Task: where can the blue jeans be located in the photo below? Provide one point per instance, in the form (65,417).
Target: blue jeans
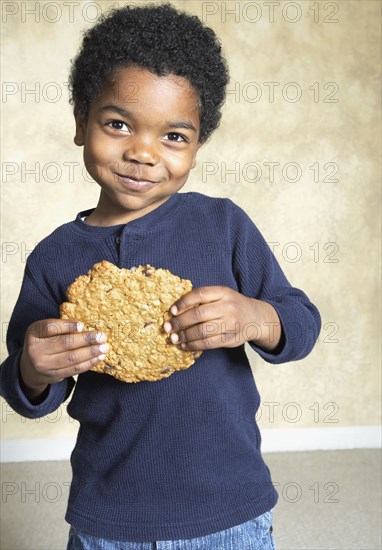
(255,534)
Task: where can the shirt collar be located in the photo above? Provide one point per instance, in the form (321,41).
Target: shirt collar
(144,223)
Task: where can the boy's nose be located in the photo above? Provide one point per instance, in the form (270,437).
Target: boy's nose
(141,149)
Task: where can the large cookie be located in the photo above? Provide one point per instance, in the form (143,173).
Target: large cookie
(130,306)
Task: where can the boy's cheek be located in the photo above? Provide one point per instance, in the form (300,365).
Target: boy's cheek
(93,168)
(96,153)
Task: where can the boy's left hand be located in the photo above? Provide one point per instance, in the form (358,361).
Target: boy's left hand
(212,317)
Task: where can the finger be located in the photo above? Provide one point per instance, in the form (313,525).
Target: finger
(204,331)
(53,328)
(212,342)
(78,368)
(70,341)
(201,295)
(207,335)
(76,356)
(194,316)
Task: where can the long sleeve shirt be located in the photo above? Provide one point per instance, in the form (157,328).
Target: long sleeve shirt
(180,457)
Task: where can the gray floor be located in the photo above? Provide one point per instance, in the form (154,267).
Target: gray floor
(328,501)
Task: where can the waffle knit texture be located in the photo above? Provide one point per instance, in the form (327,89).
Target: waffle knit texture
(177,458)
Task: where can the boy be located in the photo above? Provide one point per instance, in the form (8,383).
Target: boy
(158,464)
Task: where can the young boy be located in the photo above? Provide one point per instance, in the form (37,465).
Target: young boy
(172,464)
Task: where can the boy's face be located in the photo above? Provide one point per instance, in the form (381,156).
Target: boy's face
(140,142)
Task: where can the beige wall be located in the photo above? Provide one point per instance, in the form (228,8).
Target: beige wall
(326,224)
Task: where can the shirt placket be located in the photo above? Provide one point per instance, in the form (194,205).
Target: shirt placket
(128,248)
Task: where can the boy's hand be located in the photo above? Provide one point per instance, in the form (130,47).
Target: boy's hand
(55,349)
(219,317)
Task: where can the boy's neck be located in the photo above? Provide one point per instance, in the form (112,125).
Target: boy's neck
(106,215)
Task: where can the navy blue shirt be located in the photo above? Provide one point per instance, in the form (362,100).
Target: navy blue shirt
(177,458)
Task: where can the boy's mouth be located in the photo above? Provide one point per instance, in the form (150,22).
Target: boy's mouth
(135,184)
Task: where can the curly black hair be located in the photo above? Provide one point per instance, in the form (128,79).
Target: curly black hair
(160,39)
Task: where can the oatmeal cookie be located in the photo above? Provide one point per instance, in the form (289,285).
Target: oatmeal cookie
(130,306)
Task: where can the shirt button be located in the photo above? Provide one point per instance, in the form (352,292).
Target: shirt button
(118,240)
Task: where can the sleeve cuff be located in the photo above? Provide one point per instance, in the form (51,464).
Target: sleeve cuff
(297,340)
(11,390)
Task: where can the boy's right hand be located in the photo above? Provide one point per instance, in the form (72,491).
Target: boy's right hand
(55,349)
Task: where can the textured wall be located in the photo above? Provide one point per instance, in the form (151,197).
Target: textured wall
(298,149)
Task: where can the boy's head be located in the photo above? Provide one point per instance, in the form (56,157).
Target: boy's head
(157,38)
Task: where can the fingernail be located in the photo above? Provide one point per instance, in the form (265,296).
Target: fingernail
(101,337)
(104,347)
(167,326)
(174,310)
(174,338)
(102,357)
(79,327)
(183,345)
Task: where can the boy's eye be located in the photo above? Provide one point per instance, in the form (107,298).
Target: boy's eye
(174,136)
(117,125)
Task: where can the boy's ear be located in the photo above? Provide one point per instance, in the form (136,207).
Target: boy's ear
(198,146)
(79,138)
